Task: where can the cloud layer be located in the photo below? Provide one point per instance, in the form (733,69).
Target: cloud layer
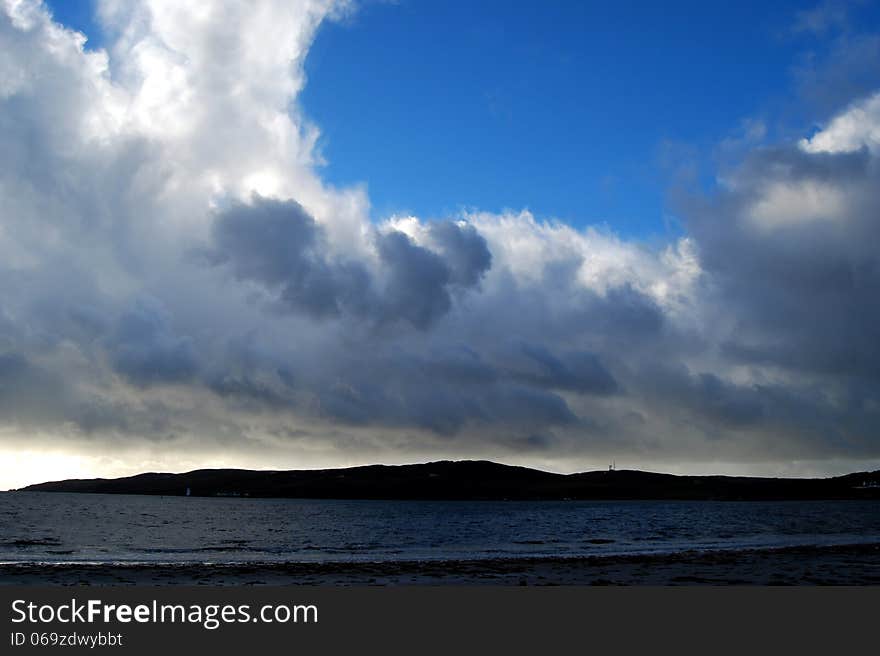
(176,279)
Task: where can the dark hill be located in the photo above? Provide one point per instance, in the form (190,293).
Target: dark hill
(471,480)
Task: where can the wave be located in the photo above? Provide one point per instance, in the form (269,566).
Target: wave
(32,542)
(400,558)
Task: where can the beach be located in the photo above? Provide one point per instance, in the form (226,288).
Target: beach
(855,564)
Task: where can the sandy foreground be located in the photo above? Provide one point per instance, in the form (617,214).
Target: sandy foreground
(833,565)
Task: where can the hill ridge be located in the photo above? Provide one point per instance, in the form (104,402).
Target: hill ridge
(469,479)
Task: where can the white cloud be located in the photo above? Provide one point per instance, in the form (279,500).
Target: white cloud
(527,248)
(856,127)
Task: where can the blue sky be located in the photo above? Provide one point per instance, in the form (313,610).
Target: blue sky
(565,108)
(575,111)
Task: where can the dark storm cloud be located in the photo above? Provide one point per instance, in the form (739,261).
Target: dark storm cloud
(16,376)
(457,365)
(369,383)
(622,312)
(580,371)
(464,249)
(279,245)
(417,287)
(440,407)
(705,393)
(145,349)
(34,397)
(802,292)
(768,418)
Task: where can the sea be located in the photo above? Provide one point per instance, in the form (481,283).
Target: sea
(58,528)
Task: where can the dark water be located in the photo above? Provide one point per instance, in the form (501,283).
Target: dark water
(58,528)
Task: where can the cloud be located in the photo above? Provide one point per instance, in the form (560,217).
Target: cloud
(465,251)
(787,245)
(856,127)
(145,349)
(175,276)
(578,371)
(279,245)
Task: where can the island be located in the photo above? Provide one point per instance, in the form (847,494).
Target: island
(471,480)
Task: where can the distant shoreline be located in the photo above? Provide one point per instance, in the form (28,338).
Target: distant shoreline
(610,500)
(472,480)
(849,564)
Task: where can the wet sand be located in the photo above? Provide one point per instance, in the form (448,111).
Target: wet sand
(832,565)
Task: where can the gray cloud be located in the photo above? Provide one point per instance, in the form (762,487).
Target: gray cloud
(145,349)
(417,283)
(802,291)
(466,254)
(578,371)
(279,245)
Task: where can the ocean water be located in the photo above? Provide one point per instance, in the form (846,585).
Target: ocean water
(41,527)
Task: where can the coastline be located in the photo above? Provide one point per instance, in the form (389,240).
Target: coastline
(851,564)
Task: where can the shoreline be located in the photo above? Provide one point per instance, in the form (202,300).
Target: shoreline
(850,564)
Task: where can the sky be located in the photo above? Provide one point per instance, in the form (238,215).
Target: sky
(312,233)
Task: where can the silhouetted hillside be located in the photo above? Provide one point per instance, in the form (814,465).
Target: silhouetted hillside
(471,480)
